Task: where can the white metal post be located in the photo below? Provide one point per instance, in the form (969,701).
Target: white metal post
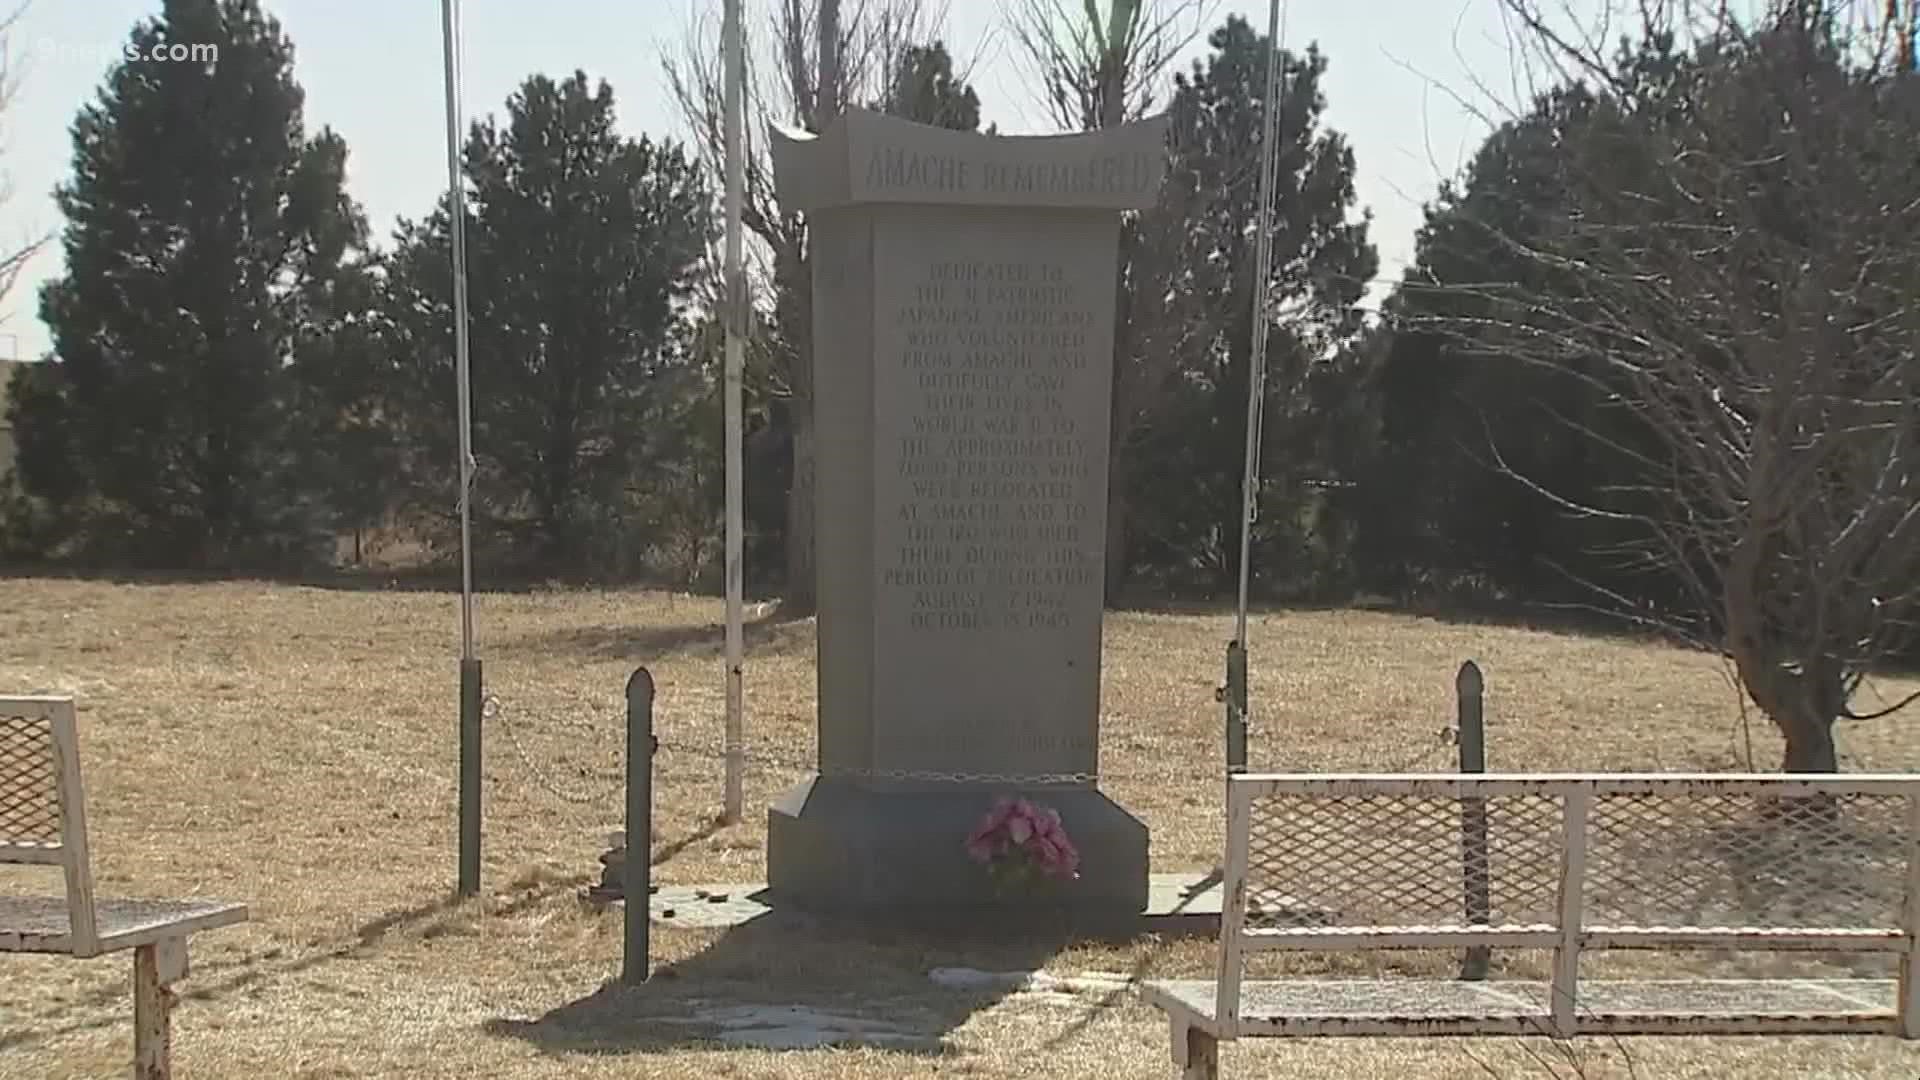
(1233,909)
(457,198)
(735,318)
(1573,883)
(1909,999)
(1262,266)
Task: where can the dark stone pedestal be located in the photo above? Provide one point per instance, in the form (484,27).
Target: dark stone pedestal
(833,845)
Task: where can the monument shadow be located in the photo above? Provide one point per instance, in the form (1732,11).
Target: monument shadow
(792,981)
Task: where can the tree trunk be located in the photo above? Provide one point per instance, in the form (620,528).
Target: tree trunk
(800,595)
(826,102)
(1820,697)
(1801,703)
(1810,746)
(1802,706)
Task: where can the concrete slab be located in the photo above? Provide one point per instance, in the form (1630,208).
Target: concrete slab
(1176,902)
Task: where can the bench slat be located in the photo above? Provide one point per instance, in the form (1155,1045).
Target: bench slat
(38,924)
(33,854)
(1418,1007)
(1486,785)
(1767,938)
(1329,938)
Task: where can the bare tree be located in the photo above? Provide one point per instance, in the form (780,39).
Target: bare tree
(1095,73)
(1736,276)
(11,262)
(785,84)
(1099,73)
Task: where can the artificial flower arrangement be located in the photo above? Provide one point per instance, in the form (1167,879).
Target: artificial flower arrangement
(1023,845)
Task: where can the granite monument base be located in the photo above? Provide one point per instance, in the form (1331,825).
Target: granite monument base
(837,846)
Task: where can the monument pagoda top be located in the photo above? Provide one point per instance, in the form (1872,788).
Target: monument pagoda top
(872,157)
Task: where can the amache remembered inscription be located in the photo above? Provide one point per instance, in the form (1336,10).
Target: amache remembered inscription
(905,169)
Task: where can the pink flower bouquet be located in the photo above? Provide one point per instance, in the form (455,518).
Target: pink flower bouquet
(1021,844)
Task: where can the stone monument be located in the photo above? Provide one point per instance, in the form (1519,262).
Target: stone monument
(963,318)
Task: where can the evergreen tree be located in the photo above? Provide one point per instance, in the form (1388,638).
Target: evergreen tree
(924,89)
(1191,281)
(345,412)
(203,230)
(583,246)
(1438,510)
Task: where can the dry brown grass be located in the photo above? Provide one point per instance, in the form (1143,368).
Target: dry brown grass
(294,747)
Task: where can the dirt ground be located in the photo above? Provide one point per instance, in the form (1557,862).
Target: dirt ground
(295,748)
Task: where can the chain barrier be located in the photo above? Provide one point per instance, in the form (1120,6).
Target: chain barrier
(493,708)
(1446,738)
(494,711)
(796,764)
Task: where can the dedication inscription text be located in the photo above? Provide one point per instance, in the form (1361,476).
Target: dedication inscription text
(992,513)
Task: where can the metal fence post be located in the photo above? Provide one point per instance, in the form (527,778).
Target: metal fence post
(1907,1009)
(471,687)
(1236,699)
(637,868)
(1469,688)
(1234,694)
(1565,999)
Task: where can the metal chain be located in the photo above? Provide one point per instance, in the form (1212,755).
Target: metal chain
(492,708)
(1001,779)
(896,775)
(1447,737)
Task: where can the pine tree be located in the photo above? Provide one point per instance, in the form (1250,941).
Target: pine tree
(203,228)
(1181,393)
(924,89)
(582,250)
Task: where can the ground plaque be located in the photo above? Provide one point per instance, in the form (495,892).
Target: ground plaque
(963,312)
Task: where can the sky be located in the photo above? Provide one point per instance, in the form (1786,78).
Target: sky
(1412,83)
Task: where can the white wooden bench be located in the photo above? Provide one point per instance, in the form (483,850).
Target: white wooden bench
(1567,864)
(43,821)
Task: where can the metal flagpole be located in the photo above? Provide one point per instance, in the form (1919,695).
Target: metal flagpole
(1236,688)
(736,328)
(470,680)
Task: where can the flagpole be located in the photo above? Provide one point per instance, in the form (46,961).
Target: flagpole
(1236,688)
(470,678)
(735,320)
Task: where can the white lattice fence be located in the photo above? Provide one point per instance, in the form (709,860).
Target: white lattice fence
(1570,863)
(1372,862)
(1747,860)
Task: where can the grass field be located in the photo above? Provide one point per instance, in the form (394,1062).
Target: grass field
(294,748)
